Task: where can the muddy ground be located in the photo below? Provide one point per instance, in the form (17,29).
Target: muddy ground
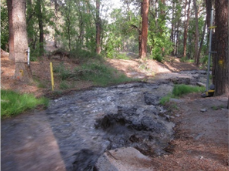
(200,142)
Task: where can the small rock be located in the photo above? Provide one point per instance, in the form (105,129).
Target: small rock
(201,157)
(177,115)
(203,110)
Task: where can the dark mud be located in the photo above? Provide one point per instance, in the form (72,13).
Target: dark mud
(80,127)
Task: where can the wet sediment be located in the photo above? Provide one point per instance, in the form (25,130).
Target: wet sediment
(88,123)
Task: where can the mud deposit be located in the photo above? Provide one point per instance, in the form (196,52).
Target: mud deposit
(77,129)
(86,124)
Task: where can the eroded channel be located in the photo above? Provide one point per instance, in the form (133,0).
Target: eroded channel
(86,124)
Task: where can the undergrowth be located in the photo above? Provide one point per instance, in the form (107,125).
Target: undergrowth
(100,74)
(94,71)
(13,103)
(180,90)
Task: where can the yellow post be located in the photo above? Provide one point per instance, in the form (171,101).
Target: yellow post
(52,78)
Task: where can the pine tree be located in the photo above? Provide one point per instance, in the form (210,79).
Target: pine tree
(220,61)
(22,70)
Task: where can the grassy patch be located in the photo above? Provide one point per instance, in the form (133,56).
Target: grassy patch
(165,99)
(94,71)
(122,56)
(185,59)
(63,85)
(179,90)
(217,107)
(13,103)
(64,73)
(100,74)
(39,83)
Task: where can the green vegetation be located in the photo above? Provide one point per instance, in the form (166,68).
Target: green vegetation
(100,74)
(13,103)
(217,107)
(179,90)
(63,85)
(185,59)
(39,83)
(94,71)
(165,99)
(4,25)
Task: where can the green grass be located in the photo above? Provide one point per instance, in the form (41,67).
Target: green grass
(100,74)
(39,83)
(93,70)
(185,59)
(63,85)
(180,90)
(13,103)
(62,71)
(122,56)
(217,107)
(165,99)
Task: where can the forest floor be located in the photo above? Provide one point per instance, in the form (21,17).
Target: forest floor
(134,68)
(201,138)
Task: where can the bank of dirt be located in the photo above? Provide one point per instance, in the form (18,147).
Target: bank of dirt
(201,138)
(134,68)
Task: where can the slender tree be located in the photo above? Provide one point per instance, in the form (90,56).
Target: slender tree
(98,28)
(208,16)
(144,32)
(22,70)
(11,35)
(196,57)
(220,61)
(186,27)
(41,29)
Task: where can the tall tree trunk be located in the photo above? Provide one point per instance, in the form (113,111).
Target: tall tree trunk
(56,20)
(41,29)
(98,28)
(11,33)
(220,79)
(186,30)
(208,16)
(172,29)
(208,10)
(22,70)
(196,57)
(144,32)
(177,40)
(202,38)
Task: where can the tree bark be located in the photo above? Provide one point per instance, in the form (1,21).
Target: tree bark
(186,30)
(208,10)
(98,28)
(11,32)
(22,71)
(196,57)
(56,22)
(228,103)
(202,38)
(220,79)
(40,23)
(172,29)
(208,16)
(144,32)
